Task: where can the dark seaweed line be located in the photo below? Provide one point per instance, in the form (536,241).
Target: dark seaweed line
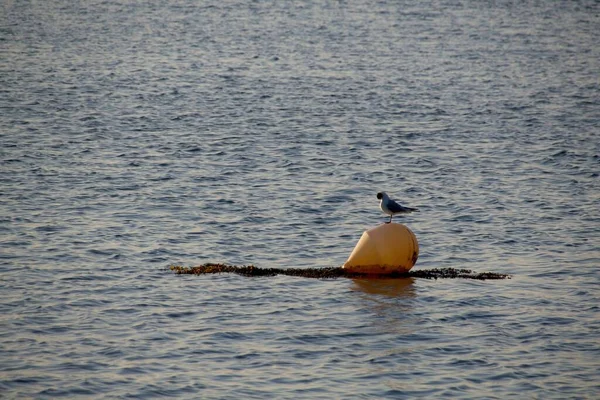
(331,272)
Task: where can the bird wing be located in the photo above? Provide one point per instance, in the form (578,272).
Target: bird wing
(397,208)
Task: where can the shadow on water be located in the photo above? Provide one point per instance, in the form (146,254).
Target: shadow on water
(387,287)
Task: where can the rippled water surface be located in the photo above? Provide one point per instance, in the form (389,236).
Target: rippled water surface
(135,135)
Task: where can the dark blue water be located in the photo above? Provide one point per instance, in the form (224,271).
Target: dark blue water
(135,135)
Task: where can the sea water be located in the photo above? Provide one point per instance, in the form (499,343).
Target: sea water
(135,135)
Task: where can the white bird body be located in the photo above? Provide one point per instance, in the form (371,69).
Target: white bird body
(391,207)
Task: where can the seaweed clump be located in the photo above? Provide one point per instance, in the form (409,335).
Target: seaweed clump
(331,272)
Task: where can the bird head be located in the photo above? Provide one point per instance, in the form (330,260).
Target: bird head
(381,195)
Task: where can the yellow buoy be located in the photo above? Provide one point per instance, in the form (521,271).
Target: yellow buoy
(385,249)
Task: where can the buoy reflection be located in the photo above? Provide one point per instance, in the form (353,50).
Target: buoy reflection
(398,287)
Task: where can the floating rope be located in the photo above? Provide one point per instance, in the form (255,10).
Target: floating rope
(330,272)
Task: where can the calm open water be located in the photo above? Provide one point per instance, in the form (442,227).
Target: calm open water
(135,135)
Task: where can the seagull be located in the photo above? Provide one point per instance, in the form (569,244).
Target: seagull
(390,207)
